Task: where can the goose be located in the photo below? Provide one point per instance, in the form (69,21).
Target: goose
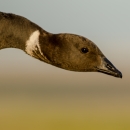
(67,51)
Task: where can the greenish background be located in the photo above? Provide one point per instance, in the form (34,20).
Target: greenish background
(38,96)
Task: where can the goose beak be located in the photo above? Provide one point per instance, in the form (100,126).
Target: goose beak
(108,68)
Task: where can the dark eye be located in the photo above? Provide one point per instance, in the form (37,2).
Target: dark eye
(84,50)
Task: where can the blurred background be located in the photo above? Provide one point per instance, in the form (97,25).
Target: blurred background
(38,96)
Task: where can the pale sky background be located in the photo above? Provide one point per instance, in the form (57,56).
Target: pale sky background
(30,90)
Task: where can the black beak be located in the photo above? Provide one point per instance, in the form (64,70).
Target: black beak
(108,68)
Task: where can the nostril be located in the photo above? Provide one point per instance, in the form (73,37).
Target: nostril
(109,66)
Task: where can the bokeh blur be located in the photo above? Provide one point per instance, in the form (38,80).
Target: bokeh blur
(38,96)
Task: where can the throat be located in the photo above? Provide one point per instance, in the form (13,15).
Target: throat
(33,47)
(29,43)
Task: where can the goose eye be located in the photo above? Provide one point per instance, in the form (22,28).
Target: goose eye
(84,50)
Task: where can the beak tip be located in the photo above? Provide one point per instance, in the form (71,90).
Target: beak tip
(120,75)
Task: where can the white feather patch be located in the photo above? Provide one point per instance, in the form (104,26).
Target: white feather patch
(32,44)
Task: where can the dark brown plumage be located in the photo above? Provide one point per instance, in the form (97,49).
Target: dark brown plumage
(67,51)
